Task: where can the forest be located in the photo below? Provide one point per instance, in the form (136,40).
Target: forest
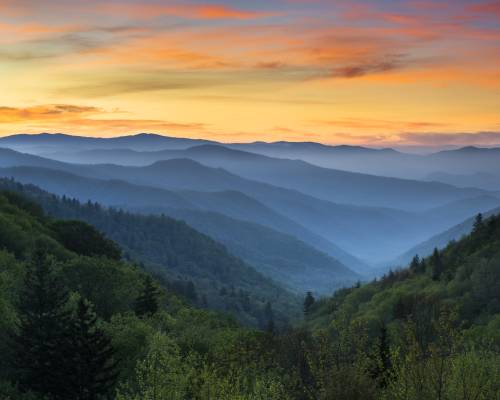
(82,321)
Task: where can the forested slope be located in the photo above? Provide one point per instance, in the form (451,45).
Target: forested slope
(464,277)
(193,263)
(76,319)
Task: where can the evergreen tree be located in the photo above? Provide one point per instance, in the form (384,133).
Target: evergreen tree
(190,292)
(384,356)
(400,311)
(269,317)
(308,303)
(415,264)
(147,302)
(91,370)
(478,223)
(437,265)
(41,335)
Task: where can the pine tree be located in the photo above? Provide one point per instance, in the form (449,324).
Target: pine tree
(400,311)
(384,356)
(415,264)
(147,303)
(269,317)
(91,370)
(43,323)
(478,223)
(308,303)
(437,265)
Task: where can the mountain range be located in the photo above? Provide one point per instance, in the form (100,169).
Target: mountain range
(383,162)
(358,219)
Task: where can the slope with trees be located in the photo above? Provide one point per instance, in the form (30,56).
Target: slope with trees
(194,264)
(428,332)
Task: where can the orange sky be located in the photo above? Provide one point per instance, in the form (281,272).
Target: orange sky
(366,72)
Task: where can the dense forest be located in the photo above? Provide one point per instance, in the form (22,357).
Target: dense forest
(193,264)
(82,320)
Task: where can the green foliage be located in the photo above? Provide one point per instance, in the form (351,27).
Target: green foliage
(43,323)
(84,239)
(162,374)
(195,266)
(147,302)
(91,371)
(407,336)
(308,303)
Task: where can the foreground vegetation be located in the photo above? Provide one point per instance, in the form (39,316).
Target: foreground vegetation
(80,322)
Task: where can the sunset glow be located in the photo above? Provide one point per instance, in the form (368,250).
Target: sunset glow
(353,72)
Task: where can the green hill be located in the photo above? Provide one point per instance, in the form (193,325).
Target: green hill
(193,263)
(464,276)
(71,326)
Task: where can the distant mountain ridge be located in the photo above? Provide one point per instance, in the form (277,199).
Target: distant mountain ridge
(326,184)
(206,211)
(382,162)
(353,228)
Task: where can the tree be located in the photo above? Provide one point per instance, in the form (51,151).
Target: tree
(415,264)
(43,324)
(308,303)
(162,374)
(147,302)
(437,265)
(478,223)
(84,239)
(91,370)
(384,363)
(269,317)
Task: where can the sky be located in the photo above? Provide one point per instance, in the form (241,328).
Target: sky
(362,72)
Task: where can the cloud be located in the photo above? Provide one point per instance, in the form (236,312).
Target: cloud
(451,139)
(490,8)
(190,11)
(44,112)
(104,84)
(356,71)
(84,119)
(382,125)
(270,65)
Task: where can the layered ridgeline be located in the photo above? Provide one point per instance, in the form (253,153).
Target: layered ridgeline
(319,223)
(281,257)
(468,166)
(333,185)
(192,263)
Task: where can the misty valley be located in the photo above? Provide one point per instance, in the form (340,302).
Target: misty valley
(155,267)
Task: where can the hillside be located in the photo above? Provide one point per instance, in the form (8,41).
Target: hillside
(76,315)
(440,240)
(323,183)
(179,254)
(283,258)
(139,198)
(464,277)
(354,229)
(481,180)
(386,162)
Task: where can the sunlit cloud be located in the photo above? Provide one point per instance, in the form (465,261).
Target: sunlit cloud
(85,119)
(369,69)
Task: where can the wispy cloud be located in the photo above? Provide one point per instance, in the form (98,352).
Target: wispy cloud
(433,139)
(85,119)
(189,11)
(381,125)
